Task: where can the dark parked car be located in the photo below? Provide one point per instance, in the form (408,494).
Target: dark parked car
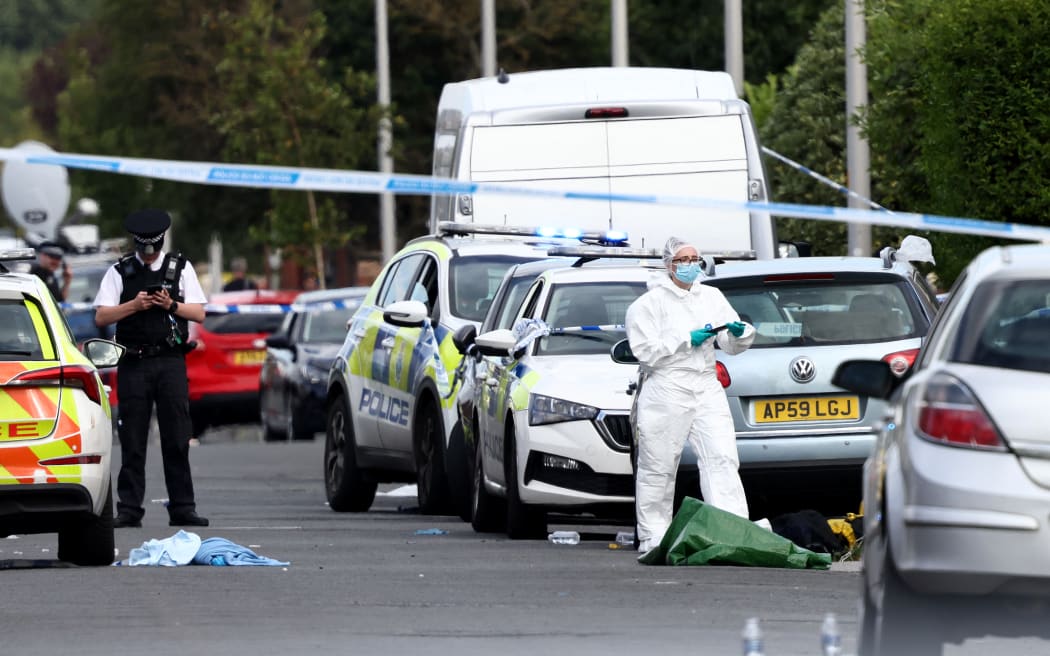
(294,377)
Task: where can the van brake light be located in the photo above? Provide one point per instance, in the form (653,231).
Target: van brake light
(606,112)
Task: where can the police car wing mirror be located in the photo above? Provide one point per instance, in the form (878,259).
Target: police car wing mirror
(621,353)
(406,314)
(103,353)
(496,343)
(464,337)
(872,378)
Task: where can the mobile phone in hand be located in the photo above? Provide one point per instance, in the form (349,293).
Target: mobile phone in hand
(154,289)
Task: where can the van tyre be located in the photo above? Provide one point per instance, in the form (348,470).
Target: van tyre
(90,541)
(457,469)
(347,486)
(524,522)
(487,514)
(428,443)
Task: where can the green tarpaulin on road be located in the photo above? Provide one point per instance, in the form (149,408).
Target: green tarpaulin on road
(701,534)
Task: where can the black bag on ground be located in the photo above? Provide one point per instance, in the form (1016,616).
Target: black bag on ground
(809,530)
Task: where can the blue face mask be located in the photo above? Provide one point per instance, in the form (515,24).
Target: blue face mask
(687,273)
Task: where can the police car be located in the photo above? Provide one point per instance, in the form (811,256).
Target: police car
(391,390)
(547,408)
(56,427)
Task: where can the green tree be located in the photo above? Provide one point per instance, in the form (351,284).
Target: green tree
(279,108)
(958,112)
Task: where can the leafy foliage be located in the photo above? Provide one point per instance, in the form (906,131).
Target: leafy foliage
(958,113)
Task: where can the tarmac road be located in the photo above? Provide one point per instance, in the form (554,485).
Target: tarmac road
(368,584)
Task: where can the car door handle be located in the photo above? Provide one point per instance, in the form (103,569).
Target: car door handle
(388,342)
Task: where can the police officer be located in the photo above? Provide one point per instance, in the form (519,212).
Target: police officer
(49,259)
(151,295)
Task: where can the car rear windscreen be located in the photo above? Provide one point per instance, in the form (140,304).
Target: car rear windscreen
(826,312)
(1006,325)
(238,323)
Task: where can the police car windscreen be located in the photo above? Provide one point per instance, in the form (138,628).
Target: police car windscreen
(474,280)
(587,318)
(226,324)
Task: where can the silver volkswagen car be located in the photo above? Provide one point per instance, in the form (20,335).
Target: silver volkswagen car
(803,441)
(957,490)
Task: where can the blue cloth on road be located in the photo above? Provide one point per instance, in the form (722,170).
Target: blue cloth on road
(179,549)
(185,548)
(220,551)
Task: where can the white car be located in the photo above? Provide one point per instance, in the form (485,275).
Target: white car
(549,409)
(56,432)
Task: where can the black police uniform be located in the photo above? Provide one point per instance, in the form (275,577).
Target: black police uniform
(153,371)
(50,278)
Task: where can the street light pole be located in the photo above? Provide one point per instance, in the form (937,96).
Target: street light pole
(858,164)
(488,38)
(387,232)
(618,20)
(734,43)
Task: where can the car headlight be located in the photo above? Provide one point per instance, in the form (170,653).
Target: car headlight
(549,410)
(315,370)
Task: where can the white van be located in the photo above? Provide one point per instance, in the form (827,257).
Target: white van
(636,131)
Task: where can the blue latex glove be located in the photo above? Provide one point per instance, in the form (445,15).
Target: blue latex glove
(736,328)
(700,335)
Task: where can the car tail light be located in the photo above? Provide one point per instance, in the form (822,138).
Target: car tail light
(901,361)
(723,375)
(79,376)
(949,413)
(93,459)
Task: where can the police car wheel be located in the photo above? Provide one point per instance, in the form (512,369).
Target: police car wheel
(90,541)
(429,446)
(346,485)
(457,469)
(524,522)
(486,511)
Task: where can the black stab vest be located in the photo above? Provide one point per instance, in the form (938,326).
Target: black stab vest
(153,326)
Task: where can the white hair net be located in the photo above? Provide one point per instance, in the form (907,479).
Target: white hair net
(671,248)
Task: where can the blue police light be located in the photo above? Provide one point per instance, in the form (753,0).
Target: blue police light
(572,233)
(616,236)
(546,231)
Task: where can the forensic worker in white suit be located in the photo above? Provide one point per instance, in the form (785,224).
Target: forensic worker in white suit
(671,332)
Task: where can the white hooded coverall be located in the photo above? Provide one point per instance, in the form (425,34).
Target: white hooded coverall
(682,399)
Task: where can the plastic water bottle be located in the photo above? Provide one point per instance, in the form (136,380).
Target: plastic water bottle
(830,637)
(564,537)
(753,644)
(625,538)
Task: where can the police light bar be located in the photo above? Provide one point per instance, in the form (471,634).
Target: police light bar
(587,253)
(16,254)
(610,237)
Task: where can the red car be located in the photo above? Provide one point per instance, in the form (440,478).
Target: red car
(231,345)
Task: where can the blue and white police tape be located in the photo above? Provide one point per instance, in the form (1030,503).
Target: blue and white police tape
(568,330)
(823,179)
(217,308)
(334,180)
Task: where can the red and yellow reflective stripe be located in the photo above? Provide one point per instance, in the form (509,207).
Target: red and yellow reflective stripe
(53,412)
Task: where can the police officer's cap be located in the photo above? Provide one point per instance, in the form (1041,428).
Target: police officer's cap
(147,223)
(51,249)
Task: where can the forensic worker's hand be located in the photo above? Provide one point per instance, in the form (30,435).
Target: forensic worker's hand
(700,335)
(736,328)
